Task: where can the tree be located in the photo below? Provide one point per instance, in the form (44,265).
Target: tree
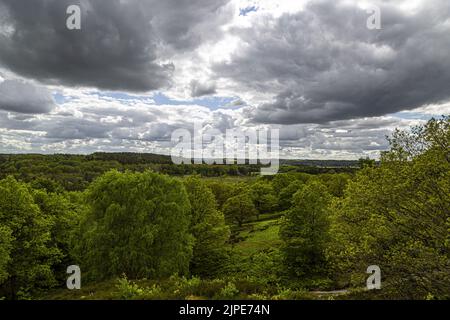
(136,224)
(304,231)
(281,181)
(64,214)
(208,228)
(47,184)
(263,197)
(366,162)
(25,241)
(240,208)
(5,251)
(285,198)
(222,191)
(396,216)
(335,183)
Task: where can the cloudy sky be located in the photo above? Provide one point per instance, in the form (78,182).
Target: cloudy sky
(140,69)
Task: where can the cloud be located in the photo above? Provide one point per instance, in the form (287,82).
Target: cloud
(22,97)
(202,89)
(122,45)
(309,68)
(87,122)
(323,64)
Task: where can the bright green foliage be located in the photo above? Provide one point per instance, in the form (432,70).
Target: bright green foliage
(335,183)
(366,162)
(305,231)
(222,191)
(136,224)
(395,216)
(208,228)
(285,198)
(64,213)
(239,208)
(5,251)
(25,240)
(281,181)
(263,197)
(46,184)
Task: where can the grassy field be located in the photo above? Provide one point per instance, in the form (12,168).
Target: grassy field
(258,236)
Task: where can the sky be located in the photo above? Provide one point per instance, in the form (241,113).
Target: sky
(140,69)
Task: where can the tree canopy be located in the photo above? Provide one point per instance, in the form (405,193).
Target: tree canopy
(136,224)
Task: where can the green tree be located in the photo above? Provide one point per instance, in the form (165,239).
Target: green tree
(136,224)
(285,198)
(208,228)
(5,251)
(64,214)
(222,191)
(304,231)
(281,181)
(396,215)
(366,162)
(240,208)
(25,241)
(335,183)
(263,197)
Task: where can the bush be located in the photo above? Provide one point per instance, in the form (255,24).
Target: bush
(128,290)
(229,292)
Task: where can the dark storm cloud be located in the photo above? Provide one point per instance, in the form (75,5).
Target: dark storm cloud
(186,24)
(324,64)
(122,45)
(21,97)
(199,89)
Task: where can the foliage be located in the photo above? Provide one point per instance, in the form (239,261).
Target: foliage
(281,181)
(229,292)
(335,183)
(25,241)
(208,228)
(304,231)
(285,198)
(222,191)
(63,212)
(395,216)
(239,208)
(136,224)
(263,196)
(128,290)
(5,251)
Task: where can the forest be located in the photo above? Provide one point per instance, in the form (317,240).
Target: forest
(140,227)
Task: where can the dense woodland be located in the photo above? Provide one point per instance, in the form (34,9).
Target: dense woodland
(140,227)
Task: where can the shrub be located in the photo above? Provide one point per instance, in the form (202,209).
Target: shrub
(228,292)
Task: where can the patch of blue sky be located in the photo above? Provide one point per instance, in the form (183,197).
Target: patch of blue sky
(212,103)
(245,11)
(122,96)
(60,98)
(411,115)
